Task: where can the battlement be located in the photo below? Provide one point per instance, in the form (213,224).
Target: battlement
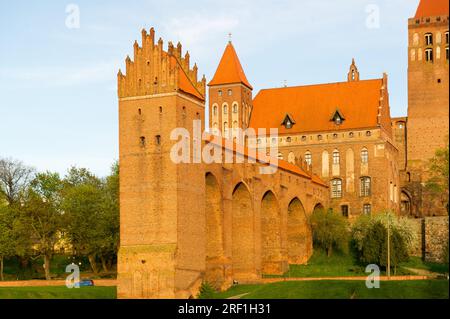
(155,71)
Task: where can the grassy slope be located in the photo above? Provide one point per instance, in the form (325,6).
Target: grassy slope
(430,289)
(58,293)
(339,265)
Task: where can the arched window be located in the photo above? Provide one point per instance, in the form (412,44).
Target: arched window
(235,124)
(215,110)
(225,109)
(367,209)
(416,39)
(291,158)
(336,157)
(365,186)
(428,39)
(364,156)
(429,55)
(336,188)
(235,108)
(308,157)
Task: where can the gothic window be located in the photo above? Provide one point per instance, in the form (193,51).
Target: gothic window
(368,133)
(367,209)
(429,55)
(235,108)
(308,157)
(344,210)
(215,109)
(291,158)
(336,157)
(351,134)
(336,188)
(319,137)
(225,109)
(220,92)
(288,139)
(365,186)
(364,156)
(428,39)
(303,138)
(416,39)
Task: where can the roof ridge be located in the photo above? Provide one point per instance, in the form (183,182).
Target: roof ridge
(187,77)
(319,84)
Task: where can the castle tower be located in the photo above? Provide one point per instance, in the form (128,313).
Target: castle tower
(428,78)
(428,101)
(161,206)
(230,95)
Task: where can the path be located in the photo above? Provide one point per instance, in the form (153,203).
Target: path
(48,283)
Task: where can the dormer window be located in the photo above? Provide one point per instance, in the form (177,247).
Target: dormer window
(288,121)
(337,117)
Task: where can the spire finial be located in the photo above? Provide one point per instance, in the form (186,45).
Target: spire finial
(229,37)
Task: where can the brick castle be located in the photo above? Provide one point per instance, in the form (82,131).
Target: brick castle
(338,147)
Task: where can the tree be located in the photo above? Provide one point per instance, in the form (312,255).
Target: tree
(14,179)
(91,209)
(6,236)
(438,182)
(41,214)
(370,237)
(330,230)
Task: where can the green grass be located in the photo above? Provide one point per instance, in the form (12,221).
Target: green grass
(418,263)
(346,265)
(425,289)
(58,293)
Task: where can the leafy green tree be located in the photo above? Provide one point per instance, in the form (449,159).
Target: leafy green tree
(330,230)
(92,215)
(438,169)
(6,236)
(41,215)
(370,235)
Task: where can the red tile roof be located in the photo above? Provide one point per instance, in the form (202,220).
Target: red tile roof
(312,107)
(230,69)
(184,83)
(262,158)
(431,8)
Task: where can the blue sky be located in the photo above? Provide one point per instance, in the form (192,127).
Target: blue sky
(58,103)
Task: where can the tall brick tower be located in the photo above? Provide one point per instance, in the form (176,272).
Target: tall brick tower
(428,74)
(428,99)
(161,203)
(230,95)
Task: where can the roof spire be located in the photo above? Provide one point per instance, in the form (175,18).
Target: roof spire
(230,70)
(353,74)
(229,37)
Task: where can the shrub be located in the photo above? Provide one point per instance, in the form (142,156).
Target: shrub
(330,231)
(206,291)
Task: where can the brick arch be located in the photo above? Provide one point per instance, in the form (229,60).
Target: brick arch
(243,233)
(318,206)
(299,233)
(271,254)
(214,231)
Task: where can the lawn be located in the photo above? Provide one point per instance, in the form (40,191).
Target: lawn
(328,289)
(58,293)
(344,265)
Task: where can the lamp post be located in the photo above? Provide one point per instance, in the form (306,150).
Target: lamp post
(389,246)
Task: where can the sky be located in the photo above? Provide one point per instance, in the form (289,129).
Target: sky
(59,60)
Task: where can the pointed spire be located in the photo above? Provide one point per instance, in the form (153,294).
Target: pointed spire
(230,69)
(353,74)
